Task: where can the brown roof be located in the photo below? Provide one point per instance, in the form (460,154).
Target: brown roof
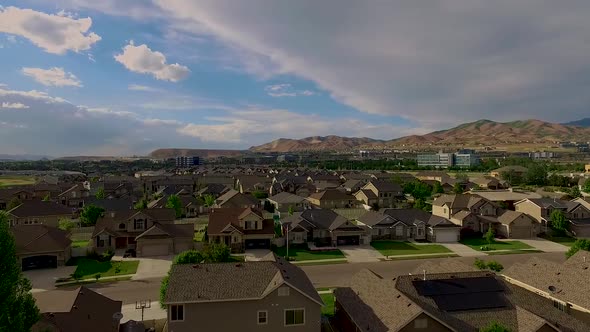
(89,312)
(236,198)
(331,194)
(235,281)
(169,230)
(39,238)
(111,219)
(221,217)
(40,208)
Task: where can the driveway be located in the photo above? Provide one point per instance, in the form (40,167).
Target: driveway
(462,250)
(152,267)
(361,254)
(44,279)
(544,245)
(255,255)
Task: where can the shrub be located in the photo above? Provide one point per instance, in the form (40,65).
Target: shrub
(480,264)
(495,266)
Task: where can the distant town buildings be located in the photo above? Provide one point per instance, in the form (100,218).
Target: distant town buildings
(187,161)
(542,155)
(587,168)
(462,158)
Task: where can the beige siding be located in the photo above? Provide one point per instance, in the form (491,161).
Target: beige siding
(440,211)
(151,247)
(530,209)
(242,315)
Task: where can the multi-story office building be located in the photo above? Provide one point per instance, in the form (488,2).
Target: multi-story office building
(462,158)
(187,161)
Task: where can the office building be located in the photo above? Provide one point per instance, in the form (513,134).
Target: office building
(187,161)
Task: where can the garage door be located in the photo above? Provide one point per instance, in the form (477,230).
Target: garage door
(154,250)
(348,240)
(446,235)
(257,244)
(39,262)
(520,232)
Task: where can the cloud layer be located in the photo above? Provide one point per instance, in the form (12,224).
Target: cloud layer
(53,33)
(286,90)
(141,59)
(52,77)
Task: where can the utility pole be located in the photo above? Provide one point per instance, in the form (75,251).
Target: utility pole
(142,305)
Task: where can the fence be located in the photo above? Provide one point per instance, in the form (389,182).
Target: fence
(80,252)
(82,233)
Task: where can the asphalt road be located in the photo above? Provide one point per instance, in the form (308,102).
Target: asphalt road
(321,275)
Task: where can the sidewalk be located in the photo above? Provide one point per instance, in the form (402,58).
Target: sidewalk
(343,260)
(439,254)
(91,280)
(462,250)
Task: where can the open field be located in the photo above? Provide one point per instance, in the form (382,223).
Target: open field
(16,180)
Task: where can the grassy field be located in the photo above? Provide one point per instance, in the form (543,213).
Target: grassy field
(15,180)
(328,309)
(399,248)
(476,244)
(302,254)
(88,268)
(80,244)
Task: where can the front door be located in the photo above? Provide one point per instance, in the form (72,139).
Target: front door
(121,243)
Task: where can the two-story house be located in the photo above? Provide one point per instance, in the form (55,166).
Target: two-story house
(235,199)
(15,195)
(464,209)
(151,232)
(381,193)
(39,212)
(271,295)
(578,213)
(540,209)
(240,228)
(332,199)
(75,196)
(285,201)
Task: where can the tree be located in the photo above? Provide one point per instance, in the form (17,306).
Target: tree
(495,266)
(19,311)
(14,202)
(66,224)
(495,327)
(420,204)
(513,178)
(260,194)
(141,204)
(217,253)
(559,222)
(163,290)
(462,177)
(188,257)
(575,192)
(175,203)
(458,188)
(90,215)
(209,200)
(437,188)
(536,175)
(418,189)
(586,187)
(579,244)
(489,235)
(46,198)
(100,193)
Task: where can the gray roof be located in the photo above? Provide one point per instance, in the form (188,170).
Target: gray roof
(39,238)
(319,219)
(548,202)
(235,281)
(286,198)
(40,208)
(387,186)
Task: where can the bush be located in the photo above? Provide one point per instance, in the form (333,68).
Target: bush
(579,244)
(491,265)
(495,266)
(480,264)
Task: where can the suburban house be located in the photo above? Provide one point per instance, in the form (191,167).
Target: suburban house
(289,183)
(321,180)
(240,228)
(215,189)
(75,196)
(332,199)
(408,224)
(489,182)
(235,199)
(449,205)
(439,176)
(16,194)
(352,186)
(451,301)
(252,183)
(284,201)
(324,228)
(150,232)
(510,224)
(587,168)
(516,170)
(80,310)
(504,197)
(578,212)
(564,284)
(541,208)
(39,212)
(271,295)
(41,246)
(381,193)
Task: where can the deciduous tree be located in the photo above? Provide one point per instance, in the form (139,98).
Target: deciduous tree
(90,214)
(100,194)
(175,203)
(489,235)
(66,224)
(559,222)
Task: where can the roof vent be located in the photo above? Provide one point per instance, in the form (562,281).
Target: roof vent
(585,268)
(74,307)
(552,288)
(409,304)
(196,267)
(398,296)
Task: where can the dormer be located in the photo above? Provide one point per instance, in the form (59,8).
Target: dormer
(250,220)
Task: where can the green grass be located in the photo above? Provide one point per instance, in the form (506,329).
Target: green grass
(302,254)
(399,248)
(513,252)
(88,268)
(324,289)
(80,244)
(476,244)
(328,309)
(565,240)
(309,263)
(404,258)
(16,180)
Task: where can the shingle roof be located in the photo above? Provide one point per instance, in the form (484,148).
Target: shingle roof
(173,230)
(222,217)
(463,201)
(387,186)
(286,198)
(39,238)
(508,216)
(110,220)
(111,204)
(331,194)
(548,202)
(235,281)
(236,197)
(40,208)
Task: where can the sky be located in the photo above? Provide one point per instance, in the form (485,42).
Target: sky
(125,77)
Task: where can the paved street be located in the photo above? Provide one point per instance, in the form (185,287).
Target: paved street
(320,275)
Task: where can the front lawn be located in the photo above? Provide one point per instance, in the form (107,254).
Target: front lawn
(80,244)
(303,254)
(478,243)
(88,268)
(328,309)
(399,248)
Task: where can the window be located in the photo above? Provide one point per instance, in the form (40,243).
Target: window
(294,317)
(420,231)
(262,317)
(284,291)
(421,323)
(138,224)
(122,225)
(177,312)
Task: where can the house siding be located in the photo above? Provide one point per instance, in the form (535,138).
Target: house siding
(243,315)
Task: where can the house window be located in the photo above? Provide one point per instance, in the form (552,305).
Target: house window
(177,313)
(284,291)
(262,317)
(420,231)
(122,225)
(294,317)
(138,224)
(421,323)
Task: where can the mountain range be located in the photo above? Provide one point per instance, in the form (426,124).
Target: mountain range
(479,133)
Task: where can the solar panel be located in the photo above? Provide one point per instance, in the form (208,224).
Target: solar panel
(461,302)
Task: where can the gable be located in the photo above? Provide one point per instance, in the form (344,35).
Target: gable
(139,215)
(154,231)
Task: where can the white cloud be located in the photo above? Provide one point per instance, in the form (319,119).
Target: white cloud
(141,59)
(53,33)
(52,77)
(286,90)
(13,105)
(137,87)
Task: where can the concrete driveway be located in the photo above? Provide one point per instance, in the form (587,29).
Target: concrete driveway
(462,250)
(152,267)
(44,279)
(361,254)
(255,255)
(544,245)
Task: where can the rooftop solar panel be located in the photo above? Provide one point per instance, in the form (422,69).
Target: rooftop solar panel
(461,302)
(457,286)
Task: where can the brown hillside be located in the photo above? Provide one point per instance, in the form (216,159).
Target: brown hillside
(315,143)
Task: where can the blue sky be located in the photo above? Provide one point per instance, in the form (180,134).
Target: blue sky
(126,77)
